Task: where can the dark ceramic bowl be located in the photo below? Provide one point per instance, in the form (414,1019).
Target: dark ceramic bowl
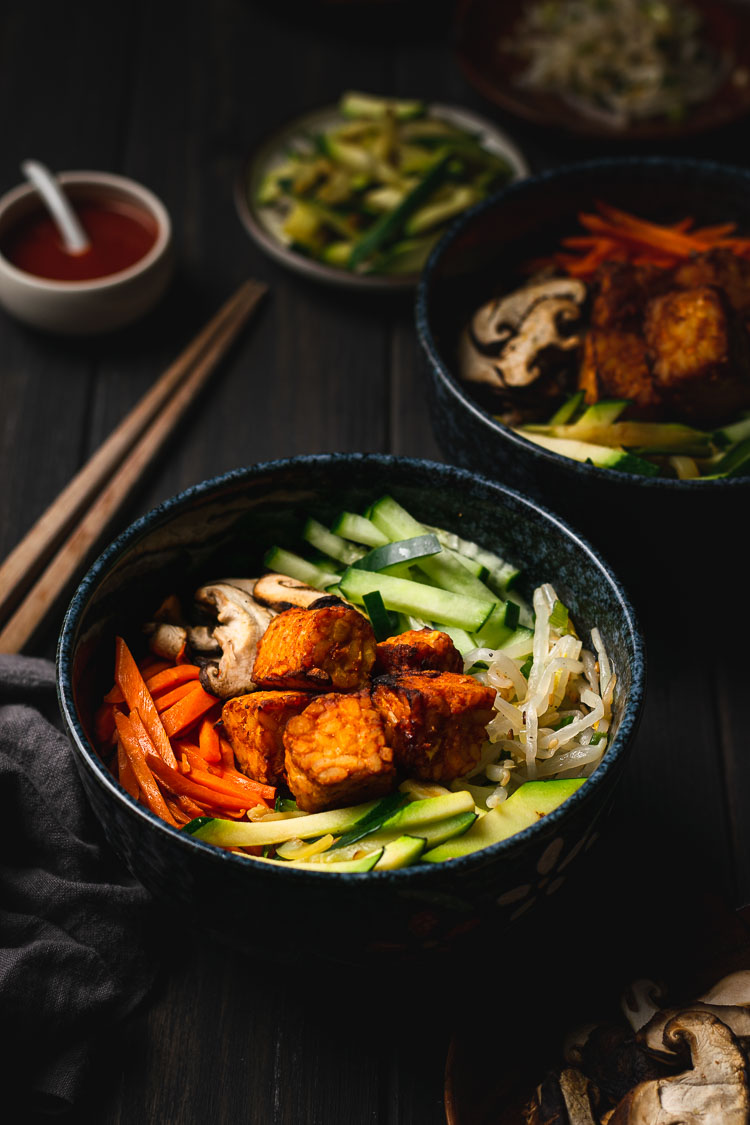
(223,526)
(660,534)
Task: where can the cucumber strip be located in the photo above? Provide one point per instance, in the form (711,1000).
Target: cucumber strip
(429,810)
(732,462)
(461,639)
(645,437)
(391,224)
(567,411)
(380,812)
(248,834)
(331,544)
(443,569)
(499,626)
(401,551)
(382,622)
(351,866)
(286,562)
(432,214)
(358,528)
(735,432)
(603,413)
(405,596)
(355,104)
(603,456)
(401,852)
(501,574)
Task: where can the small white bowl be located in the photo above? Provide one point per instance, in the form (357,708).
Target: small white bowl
(77,308)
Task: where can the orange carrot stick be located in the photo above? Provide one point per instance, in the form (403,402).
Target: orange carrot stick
(226,786)
(227,753)
(208,741)
(233,780)
(138,698)
(181,785)
(187,710)
(171,676)
(125,774)
(139,757)
(169,698)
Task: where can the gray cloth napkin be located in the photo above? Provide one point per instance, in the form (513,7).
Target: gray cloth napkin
(73,922)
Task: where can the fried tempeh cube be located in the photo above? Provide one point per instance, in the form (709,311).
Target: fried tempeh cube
(255,725)
(418,650)
(329,648)
(336,752)
(435,721)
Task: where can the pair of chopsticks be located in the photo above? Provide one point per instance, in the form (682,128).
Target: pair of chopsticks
(88,505)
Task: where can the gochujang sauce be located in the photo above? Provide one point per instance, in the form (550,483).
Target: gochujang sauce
(120,235)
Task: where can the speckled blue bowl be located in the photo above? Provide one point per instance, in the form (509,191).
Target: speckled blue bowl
(223,526)
(660,534)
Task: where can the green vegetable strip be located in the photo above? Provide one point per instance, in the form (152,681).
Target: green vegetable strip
(392,222)
(380,619)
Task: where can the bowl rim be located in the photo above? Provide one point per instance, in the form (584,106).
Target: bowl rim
(103,180)
(181,501)
(439,369)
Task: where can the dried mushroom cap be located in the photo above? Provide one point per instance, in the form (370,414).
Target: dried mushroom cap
(713,1092)
(564,1098)
(240,623)
(507,339)
(167,632)
(653,1037)
(733,989)
(281,592)
(499,318)
(641,1001)
(519,363)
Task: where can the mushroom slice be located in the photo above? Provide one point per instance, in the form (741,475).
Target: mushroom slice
(167,632)
(563,1098)
(240,623)
(519,363)
(498,319)
(641,1001)
(733,989)
(281,592)
(652,1034)
(714,1092)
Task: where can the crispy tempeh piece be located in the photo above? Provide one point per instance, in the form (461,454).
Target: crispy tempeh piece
(435,721)
(336,752)
(418,650)
(255,724)
(327,648)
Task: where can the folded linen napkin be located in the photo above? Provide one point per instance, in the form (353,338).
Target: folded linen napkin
(73,922)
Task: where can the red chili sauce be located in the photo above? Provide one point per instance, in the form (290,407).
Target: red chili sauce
(120,236)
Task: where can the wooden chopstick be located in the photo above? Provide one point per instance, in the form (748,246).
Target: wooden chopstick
(134,445)
(25,561)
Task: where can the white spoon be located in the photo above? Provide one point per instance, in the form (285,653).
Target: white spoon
(74,237)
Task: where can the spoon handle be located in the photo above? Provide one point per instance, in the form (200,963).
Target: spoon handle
(75,238)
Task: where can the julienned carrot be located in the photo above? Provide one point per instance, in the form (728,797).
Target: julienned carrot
(139,758)
(169,698)
(239,782)
(187,710)
(171,676)
(130,681)
(178,783)
(226,786)
(208,741)
(125,774)
(686,242)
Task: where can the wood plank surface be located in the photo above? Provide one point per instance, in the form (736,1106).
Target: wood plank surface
(176,95)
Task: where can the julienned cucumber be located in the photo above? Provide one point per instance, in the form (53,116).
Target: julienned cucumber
(427,602)
(287,562)
(244,834)
(318,535)
(444,570)
(352,526)
(392,222)
(401,551)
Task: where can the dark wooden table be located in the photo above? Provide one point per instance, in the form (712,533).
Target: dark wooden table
(175,95)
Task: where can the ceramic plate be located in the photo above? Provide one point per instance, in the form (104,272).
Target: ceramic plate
(481,26)
(264,223)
